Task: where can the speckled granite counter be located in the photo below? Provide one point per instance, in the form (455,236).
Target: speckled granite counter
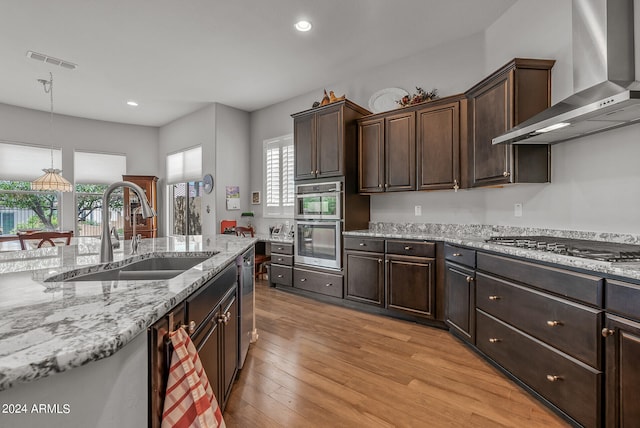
(54,326)
(474,236)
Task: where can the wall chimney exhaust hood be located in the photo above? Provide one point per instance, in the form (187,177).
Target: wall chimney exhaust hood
(603,52)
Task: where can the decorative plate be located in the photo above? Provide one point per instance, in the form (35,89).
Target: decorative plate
(385,99)
(207,182)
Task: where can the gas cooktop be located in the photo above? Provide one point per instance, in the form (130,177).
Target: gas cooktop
(595,250)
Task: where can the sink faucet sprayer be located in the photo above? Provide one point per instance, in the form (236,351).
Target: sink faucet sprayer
(106,251)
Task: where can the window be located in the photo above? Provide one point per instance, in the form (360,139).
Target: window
(184,192)
(20,207)
(94,172)
(278,177)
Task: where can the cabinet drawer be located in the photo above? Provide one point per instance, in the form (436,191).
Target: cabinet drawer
(572,386)
(463,256)
(578,286)
(570,327)
(364,244)
(281,275)
(623,298)
(412,248)
(281,259)
(318,282)
(203,301)
(280,248)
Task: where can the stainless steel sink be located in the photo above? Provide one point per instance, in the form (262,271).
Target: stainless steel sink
(152,268)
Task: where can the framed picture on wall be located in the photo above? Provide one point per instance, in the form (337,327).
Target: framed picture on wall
(255,198)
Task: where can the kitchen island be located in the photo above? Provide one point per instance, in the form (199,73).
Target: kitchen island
(57,327)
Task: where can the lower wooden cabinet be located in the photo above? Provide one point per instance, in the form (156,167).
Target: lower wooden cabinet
(574,387)
(365,277)
(460,304)
(411,285)
(320,282)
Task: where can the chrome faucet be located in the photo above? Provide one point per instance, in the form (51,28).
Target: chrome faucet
(106,251)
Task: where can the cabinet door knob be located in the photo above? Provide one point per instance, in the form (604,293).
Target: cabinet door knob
(328,285)
(362,244)
(379,185)
(280,276)
(553,378)
(317,171)
(455,185)
(506,173)
(407,248)
(379,261)
(386,185)
(303,279)
(312,172)
(606,332)
(469,279)
(191,327)
(553,323)
(494,340)
(494,297)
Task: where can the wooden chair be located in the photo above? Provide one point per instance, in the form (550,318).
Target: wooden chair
(45,237)
(260,260)
(227,226)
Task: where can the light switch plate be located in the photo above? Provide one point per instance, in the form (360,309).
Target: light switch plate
(418,210)
(517,210)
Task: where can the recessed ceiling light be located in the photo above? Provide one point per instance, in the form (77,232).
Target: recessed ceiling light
(303,25)
(132,103)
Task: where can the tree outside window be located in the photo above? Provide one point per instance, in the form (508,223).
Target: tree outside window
(24,209)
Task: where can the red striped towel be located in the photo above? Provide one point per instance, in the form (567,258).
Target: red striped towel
(189,401)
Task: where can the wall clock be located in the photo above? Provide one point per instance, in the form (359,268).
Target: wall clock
(207,182)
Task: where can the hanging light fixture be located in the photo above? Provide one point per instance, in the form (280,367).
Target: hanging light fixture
(51,180)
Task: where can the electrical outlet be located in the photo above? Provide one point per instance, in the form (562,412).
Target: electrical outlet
(517,210)
(418,210)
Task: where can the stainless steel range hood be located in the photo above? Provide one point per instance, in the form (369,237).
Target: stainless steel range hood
(603,51)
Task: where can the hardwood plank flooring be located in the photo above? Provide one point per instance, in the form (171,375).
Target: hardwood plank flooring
(316,364)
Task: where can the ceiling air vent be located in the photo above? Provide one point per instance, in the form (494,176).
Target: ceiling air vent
(51,60)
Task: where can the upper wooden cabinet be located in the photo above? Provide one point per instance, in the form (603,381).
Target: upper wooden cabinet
(508,97)
(325,140)
(417,147)
(146,227)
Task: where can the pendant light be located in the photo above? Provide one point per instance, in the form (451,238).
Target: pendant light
(51,180)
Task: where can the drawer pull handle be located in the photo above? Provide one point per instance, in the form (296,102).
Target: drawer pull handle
(362,244)
(328,285)
(469,279)
(606,332)
(280,276)
(280,248)
(280,259)
(553,323)
(494,340)
(303,279)
(224,318)
(407,248)
(191,327)
(553,378)
(457,255)
(494,297)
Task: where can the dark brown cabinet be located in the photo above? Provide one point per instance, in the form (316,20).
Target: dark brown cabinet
(364,270)
(281,264)
(387,153)
(210,316)
(439,131)
(410,270)
(460,291)
(146,227)
(511,95)
(325,140)
(622,345)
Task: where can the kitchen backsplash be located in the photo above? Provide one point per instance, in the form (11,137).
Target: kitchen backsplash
(486,231)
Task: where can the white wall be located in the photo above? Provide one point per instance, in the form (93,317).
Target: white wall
(138,143)
(195,129)
(232,159)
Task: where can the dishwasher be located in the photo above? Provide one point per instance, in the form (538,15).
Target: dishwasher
(245,311)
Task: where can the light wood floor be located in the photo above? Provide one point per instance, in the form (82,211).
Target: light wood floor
(316,364)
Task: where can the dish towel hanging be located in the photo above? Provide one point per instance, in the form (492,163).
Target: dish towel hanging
(189,401)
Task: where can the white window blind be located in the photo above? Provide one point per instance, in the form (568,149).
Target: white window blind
(25,163)
(184,166)
(279,185)
(98,168)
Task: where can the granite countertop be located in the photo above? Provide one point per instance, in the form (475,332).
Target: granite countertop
(49,327)
(474,236)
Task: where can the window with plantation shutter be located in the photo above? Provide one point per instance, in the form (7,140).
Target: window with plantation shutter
(278,177)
